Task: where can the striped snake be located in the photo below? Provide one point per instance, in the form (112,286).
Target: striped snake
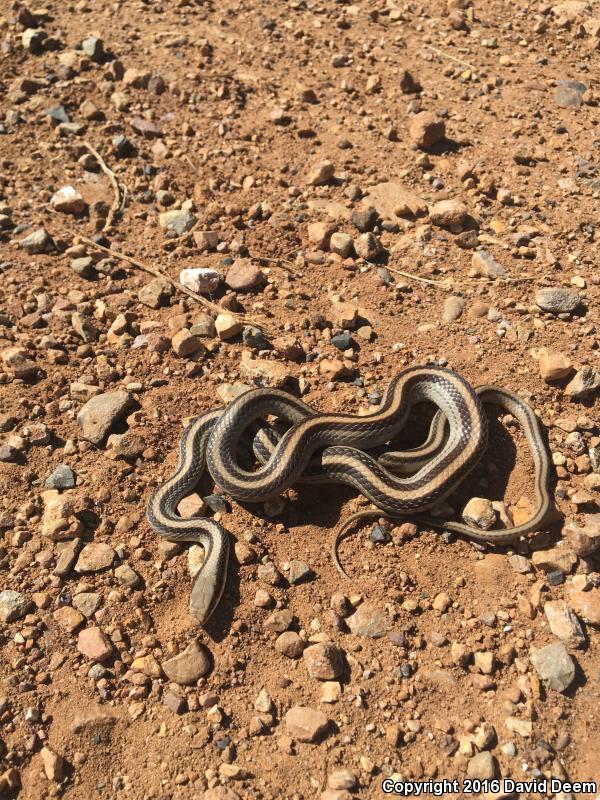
(334,448)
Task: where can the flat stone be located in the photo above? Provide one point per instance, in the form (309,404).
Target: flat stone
(324,661)
(155,293)
(556,558)
(587,605)
(87,602)
(68,618)
(569,93)
(306,724)
(555,366)
(368,621)
(264,372)
(564,623)
(554,666)
(484,264)
(243,276)
(100,412)
(127,576)
(184,343)
(448,214)
(392,200)
(13,605)
(62,477)
(94,644)
(189,666)
(125,445)
(18,364)
(146,128)
(178,221)
(95,557)
(557,300)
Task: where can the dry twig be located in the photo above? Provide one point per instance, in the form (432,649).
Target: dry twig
(118,202)
(452,58)
(441,284)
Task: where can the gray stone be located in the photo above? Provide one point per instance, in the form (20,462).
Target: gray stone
(178,221)
(299,571)
(93,47)
(100,412)
(37,242)
(63,477)
(13,605)
(569,93)
(585,382)
(554,666)
(87,602)
(557,300)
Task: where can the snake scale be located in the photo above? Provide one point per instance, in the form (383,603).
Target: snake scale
(341,448)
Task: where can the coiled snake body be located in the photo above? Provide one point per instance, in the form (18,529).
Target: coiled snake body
(334,448)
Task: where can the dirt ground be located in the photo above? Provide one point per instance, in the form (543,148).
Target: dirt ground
(378,185)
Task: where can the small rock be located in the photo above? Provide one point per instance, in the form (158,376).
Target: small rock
(94,644)
(39,241)
(100,412)
(569,93)
(583,540)
(484,264)
(558,300)
(69,201)
(482,766)
(554,666)
(324,661)
(53,764)
(13,605)
(587,605)
(556,558)
(368,621)
(178,221)
(187,667)
(479,513)
(299,571)
(448,214)
(426,130)
(62,477)
(563,623)
(341,243)
(306,724)
(554,366)
(227,326)
(184,343)
(289,644)
(155,293)
(94,557)
(453,308)
(202,281)
(585,382)
(321,174)
(243,275)
(127,576)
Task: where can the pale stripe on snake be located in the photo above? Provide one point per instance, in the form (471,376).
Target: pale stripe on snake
(331,447)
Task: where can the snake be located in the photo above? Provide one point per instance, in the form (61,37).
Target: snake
(341,448)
